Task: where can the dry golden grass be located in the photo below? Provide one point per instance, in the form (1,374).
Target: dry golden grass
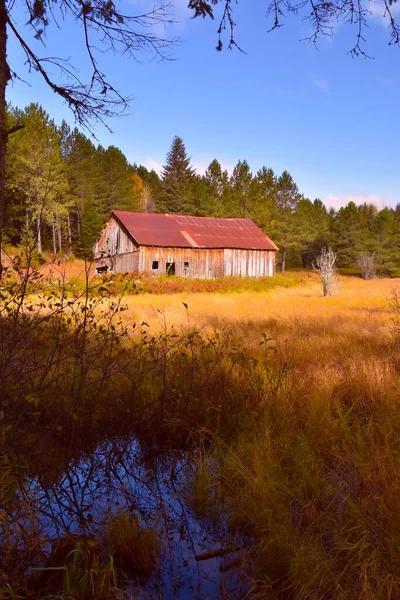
(302,432)
(358,300)
(314,476)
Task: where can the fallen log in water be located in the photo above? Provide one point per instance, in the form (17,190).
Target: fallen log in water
(230,564)
(218,552)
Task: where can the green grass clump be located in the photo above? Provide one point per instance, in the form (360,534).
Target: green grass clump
(134,546)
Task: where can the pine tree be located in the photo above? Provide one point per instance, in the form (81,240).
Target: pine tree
(217,179)
(240,184)
(286,227)
(91,225)
(178,182)
(350,234)
(85,176)
(309,233)
(211,191)
(386,238)
(313,230)
(262,199)
(117,173)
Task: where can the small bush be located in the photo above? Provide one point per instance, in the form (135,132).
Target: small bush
(366,263)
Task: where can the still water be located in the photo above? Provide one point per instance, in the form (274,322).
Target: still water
(70,491)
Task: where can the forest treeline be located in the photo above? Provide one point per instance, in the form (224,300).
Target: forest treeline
(61,187)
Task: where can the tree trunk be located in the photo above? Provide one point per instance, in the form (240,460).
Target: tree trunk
(144,201)
(54,239)
(78,221)
(4,78)
(283,264)
(39,235)
(69,233)
(59,233)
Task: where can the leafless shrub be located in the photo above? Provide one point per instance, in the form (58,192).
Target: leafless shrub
(366,263)
(325,265)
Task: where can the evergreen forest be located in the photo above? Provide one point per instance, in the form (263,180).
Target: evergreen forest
(61,187)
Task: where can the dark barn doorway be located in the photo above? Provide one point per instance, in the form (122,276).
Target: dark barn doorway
(170,268)
(102,269)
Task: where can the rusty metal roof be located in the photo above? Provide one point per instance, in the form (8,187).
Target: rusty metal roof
(180,231)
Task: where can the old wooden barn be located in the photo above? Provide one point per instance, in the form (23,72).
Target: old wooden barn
(202,247)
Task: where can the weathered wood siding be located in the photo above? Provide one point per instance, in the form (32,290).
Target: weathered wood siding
(113,240)
(201,263)
(249,263)
(117,252)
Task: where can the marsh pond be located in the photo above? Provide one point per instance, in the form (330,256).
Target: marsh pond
(89,518)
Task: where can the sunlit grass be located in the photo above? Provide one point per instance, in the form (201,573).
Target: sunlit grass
(360,301)
(316,480)
(291,400)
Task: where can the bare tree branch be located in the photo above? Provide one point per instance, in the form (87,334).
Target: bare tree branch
(322,16)
(325,265)
(132,35)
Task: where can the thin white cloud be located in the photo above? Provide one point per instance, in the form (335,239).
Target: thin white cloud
(324,85)
(228,167)
(151,164)
(176,15)
(200,168)
(181,8)
(181,14)
(337,202)
(378,10)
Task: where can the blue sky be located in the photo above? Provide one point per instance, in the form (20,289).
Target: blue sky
(332,121)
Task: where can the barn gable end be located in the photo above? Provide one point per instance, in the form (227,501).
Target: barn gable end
(115,250)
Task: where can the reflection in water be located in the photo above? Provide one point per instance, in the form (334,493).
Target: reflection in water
(63,497)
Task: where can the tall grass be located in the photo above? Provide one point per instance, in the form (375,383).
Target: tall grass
(296,418)
(135,547)
(73,373)
(315,480)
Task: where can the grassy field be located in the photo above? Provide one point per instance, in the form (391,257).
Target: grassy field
(312,472)
(315,475)
(295,295)
(357,300)
(289,401)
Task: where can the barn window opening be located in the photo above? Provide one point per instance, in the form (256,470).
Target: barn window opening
(170,268)
(186,264)
(102,269)
(155,264)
